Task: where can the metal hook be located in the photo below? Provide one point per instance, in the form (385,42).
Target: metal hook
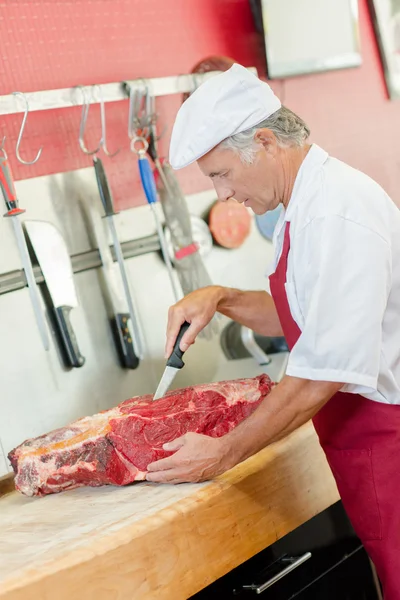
(150,104)
(132,119)
(140,110)
(103,139)
(144,145)
(135,104)
(24,162)
(152,120)
(82,126)
(131,111)
(150,116)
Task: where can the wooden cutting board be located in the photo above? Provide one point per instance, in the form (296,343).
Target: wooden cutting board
(156,541)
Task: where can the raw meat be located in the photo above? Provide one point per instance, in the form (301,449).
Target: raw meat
(115,446)
(229,223)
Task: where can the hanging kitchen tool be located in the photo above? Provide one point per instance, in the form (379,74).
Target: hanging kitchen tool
(188,261)
(14,212)
(53,257)
(140,117)
(201,234)
(125,325)
(189,235)
(124,321)
(189,265)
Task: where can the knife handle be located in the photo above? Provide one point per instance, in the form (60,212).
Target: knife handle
(175,360)
(75,358)
(147,178)
(123,337)
(104,188)
(7,187)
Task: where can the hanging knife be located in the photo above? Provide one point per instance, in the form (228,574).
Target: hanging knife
(174,364)
(121,321)
(53,257)
(106,198)
(10,198)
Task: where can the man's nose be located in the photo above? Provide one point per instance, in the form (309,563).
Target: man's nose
(223,192)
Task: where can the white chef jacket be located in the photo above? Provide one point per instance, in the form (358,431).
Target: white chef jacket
(343,278)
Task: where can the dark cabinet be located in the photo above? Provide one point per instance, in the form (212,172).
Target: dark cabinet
(321,560)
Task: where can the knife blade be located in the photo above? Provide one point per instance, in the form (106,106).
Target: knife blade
(108,204)
(53,257)
(14,212)
(120,320)
(174,364)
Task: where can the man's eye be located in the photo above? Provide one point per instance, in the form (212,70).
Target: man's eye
(224,174)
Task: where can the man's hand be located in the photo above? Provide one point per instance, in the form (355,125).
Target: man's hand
(251,309)
(197,458)
(197,308)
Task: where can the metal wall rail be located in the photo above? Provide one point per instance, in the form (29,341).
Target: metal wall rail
(84,261)
(111,92)
(67,98)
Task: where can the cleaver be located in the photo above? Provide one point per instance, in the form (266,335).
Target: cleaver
(53,257)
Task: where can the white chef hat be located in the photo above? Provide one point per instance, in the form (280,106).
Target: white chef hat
(223,105)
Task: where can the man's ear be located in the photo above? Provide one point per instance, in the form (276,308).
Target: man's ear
(266,138)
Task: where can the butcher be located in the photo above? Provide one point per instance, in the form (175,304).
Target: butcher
(334,294)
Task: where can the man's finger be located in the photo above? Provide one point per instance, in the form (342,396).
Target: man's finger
(163,464)
(190,335)
(175,320)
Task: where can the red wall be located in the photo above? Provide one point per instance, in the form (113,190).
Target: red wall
(56,44)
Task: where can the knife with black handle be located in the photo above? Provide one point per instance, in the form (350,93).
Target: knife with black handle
(123,321)
(120,323)
(53,257)
(70,343)
(175,359)
(174,364)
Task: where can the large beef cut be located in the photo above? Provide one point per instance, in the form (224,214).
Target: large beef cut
(115,446)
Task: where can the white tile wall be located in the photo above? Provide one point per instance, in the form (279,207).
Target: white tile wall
(36,392)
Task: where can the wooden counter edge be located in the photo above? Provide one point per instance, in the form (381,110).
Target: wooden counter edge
(185,547)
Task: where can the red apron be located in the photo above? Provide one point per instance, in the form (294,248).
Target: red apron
(361,440)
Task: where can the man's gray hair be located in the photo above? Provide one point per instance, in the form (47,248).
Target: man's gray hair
(288,128)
